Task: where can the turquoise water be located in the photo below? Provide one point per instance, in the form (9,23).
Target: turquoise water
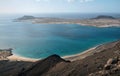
(42,40)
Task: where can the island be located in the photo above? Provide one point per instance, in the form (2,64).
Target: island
(99,21)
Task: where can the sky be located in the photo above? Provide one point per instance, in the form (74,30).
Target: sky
(59,6)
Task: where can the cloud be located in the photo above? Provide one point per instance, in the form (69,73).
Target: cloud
(70,1)
(86,0)
(42,0)
(81,1)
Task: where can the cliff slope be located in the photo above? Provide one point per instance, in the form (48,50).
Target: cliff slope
(92,65)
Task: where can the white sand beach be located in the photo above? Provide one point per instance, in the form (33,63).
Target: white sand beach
(80,55)
(69,57)
(20,58)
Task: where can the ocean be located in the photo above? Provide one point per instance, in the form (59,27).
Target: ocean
(41,40)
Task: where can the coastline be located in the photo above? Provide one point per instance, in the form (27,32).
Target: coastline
(99,21)
(105,26)
(94,25)
(15,57)
(73,57)
(81,55)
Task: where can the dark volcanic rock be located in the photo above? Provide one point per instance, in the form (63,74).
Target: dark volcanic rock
(107,66)
(43,66)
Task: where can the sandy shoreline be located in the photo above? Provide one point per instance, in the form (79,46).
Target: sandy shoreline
(74,57)
(80,55)
(20,58)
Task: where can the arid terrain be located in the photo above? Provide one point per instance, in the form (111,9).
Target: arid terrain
(99,21)
(103,60)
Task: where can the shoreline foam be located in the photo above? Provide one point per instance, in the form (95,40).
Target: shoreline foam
(81,55)
(15,57)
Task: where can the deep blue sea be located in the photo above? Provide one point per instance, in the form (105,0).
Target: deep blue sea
(42,40)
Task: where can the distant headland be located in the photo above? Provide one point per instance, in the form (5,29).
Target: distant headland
(99,21)
(104,17)
(26,18)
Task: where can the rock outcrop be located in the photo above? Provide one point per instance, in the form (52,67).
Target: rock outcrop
(4,53)
(111,68)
